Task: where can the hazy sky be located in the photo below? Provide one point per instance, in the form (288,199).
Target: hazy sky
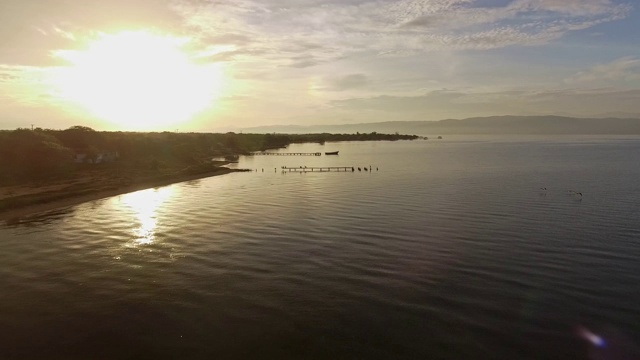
(205,64)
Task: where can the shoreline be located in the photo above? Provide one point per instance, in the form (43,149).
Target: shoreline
(14,214)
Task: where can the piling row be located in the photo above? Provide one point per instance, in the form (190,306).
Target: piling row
(319,169)
(289,153)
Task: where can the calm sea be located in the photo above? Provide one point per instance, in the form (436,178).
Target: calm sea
(447,249)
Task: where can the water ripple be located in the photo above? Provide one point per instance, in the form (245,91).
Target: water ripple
(450,250)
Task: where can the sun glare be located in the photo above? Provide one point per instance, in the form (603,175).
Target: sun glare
(145,205)
(138,80)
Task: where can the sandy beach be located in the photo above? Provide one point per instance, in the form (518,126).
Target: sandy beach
(26,200)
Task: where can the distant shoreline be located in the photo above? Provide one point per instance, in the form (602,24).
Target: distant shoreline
(489,125)
(46,201)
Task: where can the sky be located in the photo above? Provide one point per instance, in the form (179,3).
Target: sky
(202,65)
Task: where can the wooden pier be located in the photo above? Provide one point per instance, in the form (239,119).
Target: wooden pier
(289,153)
(319,169)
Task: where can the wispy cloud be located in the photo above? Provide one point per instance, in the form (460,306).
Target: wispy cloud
(24,84)
(279,32)
(64,33)
(337,29)
(346,82)
(625,69)
(7,76)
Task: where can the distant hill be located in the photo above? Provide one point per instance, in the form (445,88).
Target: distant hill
(494,125)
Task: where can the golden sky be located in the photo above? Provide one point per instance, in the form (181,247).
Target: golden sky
(202,65)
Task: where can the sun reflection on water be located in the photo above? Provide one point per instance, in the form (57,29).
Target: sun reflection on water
(145,205)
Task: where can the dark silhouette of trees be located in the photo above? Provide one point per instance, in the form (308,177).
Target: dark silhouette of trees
(272,141)
(40,154)
(81,137)
(27,154)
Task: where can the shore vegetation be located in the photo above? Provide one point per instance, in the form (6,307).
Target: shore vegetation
(44,166)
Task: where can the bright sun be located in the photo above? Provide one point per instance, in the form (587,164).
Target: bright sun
(138,80)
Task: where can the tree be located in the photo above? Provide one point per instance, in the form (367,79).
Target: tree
(81,137)
(28,155)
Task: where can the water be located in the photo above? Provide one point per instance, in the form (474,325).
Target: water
(449,251)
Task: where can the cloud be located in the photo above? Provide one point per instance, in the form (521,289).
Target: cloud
(441,104)
(328,30)
(304,63)
(322,31)
(24,85)
(7,77)
(623,69)
(347,82)
(31,29)
(230,54)
(570,7)
(522,22)
(17,74)
(65,34)
(341,47)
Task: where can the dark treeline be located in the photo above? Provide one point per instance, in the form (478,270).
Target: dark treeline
(41,154)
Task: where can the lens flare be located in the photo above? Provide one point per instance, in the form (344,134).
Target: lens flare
(588,335)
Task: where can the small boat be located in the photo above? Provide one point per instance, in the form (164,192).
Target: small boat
(331,153)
